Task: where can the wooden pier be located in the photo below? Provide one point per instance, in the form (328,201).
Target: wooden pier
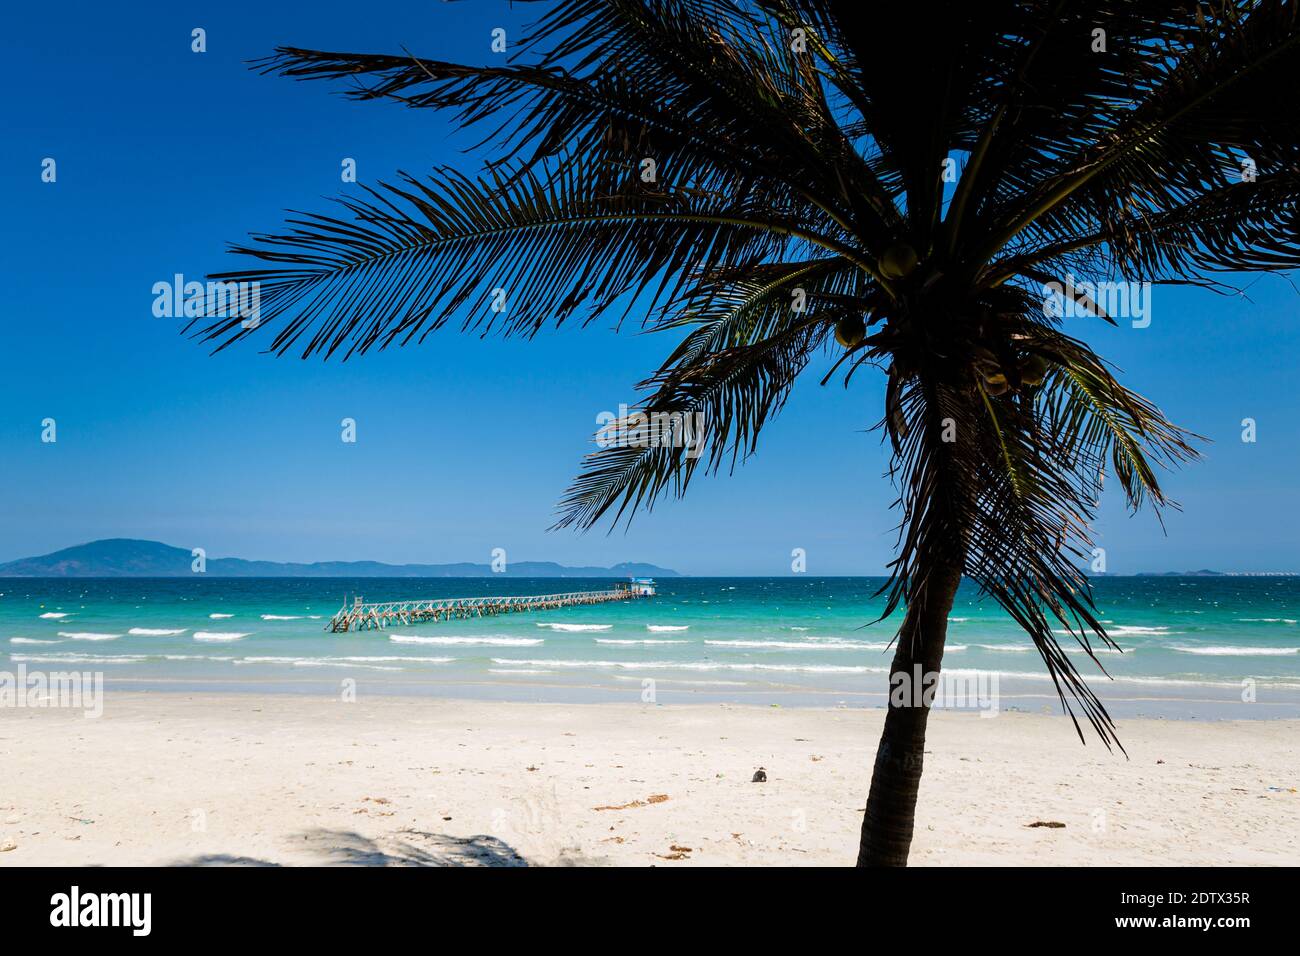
(360,616)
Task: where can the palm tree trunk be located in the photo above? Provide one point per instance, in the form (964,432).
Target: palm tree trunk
(896,779)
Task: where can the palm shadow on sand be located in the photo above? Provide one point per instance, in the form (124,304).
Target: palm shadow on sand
(406,848)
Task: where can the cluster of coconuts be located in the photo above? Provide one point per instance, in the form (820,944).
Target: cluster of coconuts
(898,261)
(1031,369)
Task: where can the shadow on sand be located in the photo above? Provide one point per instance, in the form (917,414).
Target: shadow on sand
(405,848)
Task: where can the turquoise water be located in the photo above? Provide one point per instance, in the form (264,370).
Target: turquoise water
(1189,642)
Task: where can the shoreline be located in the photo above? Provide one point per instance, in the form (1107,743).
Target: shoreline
(285,778)
(1019,697)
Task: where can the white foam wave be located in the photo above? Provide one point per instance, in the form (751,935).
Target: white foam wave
(220,636)
(88,636)
(667,627)
(648,640)
(576,627)
(54,615)
(342,661)
(697,683)
(155,631)
(76,659)
(1236,651)
(807,645)
(466,641)
(694,666)
(282,617)
(30,640)
(219,617)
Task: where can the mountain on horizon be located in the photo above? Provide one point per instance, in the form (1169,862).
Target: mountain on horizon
(134,558)
(1202,573)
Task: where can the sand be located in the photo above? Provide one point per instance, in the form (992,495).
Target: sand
(284,779)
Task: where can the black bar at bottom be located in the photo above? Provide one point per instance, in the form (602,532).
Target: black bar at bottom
(739,907)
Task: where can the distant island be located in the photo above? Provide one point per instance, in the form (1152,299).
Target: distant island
(133,558)
(1203,573)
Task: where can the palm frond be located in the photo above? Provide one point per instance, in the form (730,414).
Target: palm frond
(714,403)
(410,256)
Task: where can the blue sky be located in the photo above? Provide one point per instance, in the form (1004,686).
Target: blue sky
(464,445)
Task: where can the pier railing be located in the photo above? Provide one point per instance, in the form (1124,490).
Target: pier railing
(359,616)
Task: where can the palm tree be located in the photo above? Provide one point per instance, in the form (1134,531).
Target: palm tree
(773,180)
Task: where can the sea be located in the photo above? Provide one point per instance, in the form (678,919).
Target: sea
(1190,647)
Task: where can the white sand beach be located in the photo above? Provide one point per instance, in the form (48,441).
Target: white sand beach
(283,779)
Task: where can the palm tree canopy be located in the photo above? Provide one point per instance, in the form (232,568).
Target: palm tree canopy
(765,178)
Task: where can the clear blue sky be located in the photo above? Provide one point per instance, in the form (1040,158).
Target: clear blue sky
(463,445)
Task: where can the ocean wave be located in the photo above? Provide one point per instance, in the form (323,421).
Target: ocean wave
(1268,620)
(1029,648)
(648,640)
(667,627)
(514,670)
(375,659)
(1271,682)
(575,627)
(88,636)
(30,640)
(1131,630)
(282,617)
(696,666)
(219,617)
(54,615)
(466,641)
(348,664)
(1236,651)
(807,645)
(341,661)
(695,683)
(77,659)
(1042,676)
(155,631)
(221,636)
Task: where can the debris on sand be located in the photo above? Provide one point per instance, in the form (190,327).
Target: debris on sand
(653,798)
(1053,824)
(675,852)
(760,776)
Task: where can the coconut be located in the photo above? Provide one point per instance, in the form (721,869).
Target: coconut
(1033,369)
(898,261)
(998,386)
(850,331)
